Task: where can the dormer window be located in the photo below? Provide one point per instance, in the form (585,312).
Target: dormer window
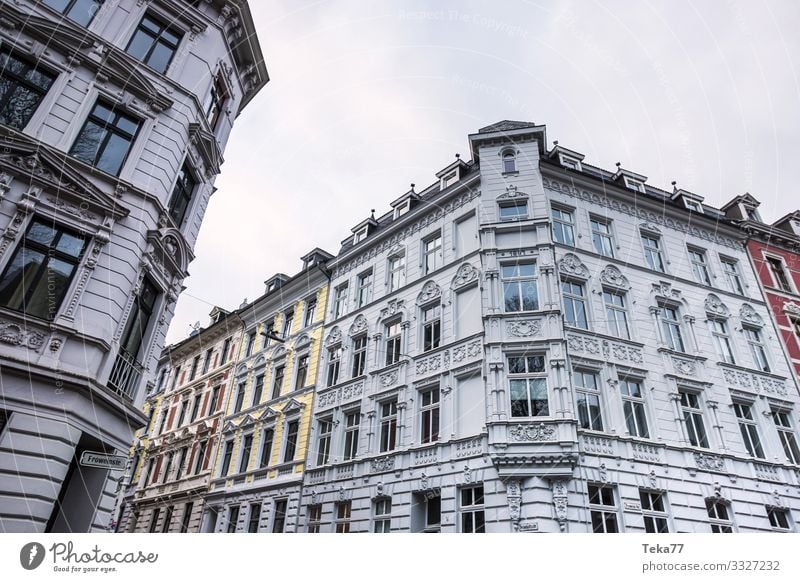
(570,162)
(635,185)
(693,206)
(359,235)
(509,162)
(449,179)
(752,213)
(402,208)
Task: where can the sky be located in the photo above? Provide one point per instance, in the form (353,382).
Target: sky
(365,98)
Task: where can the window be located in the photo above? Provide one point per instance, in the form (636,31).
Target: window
(699,265)
(616,314)
(187,516)
(693,418)
(509,162)
(154,520)
(652,252)
(182,414)
(212,406)
(311,308)
(167,519)
(471,510)
(778,272)
(162,423)
(314,518)
(359,355)
(251,342)
(288,320)
(266,447)
(404,207)
(786,435)
(749,429)
(324,440)
(431,503)
(244,456)
(343,510)
(340,301)
(731,270)
(757,350)
(258,389)
(574,304)
(603,509)
(22,88)
(634,185)
(233,518)
(267,329)
(563,231)
(396,270)
(167,467)
(80,11)
(277,381)
(528,383)
(722,340)
(226,347)
(291,440)
(360,235)
(519,287)
(216,101)
(693,206)
(778,518)
(149,474)
(201,457)
(719,516)
(432,259)
(154,43)
(654,512)
(181,461)
(633,407)
(351,424)
(41,270)
(671,326)
(394,337)
(175,377)
(602,238)
(237,406)
(429,415)
(195,365)
(364,288)
(254,518)
(382,512)
(181,195)
(517,210)
(334,360)
(106,138)
(587,392)
(388,426)
(431,327)
(302,372)
(207,361)
(569,162)
(226,459)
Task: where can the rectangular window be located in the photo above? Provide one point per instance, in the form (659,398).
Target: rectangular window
(431,327)
(693,418)
(351,424)
(240,390)
(80,11)
(633,407)
(311,308)
(314,518)
(388,426)
(364,288)
(244,455)
(167,519)
(602,237)
(154,520)
(201,457)
(187,516)
(233,518)
(267,329)
(175,377)
(719,516)
(258,390)
(41,270)
(731,270)
(254,518)
(511,211)
(181,195)
(226,459)
(182,413)
(181,461)
(382,515)
(616,314)
(519,287)
(671,326)
(778,518)
(697,257)
(251,343)
(587,391)
(343,510)
(277,381)
(302,372)
(528,386)
(291,440)
(472,514)
(394,340)
(216,101)
(574,304)
(167,467)
(288,320)
(779,277)
(432,257)
(226,347)
(722,340)
(757,349)
(106,138)
(654,512)
(324,428)
(359,355)
(207,361)
(340,301)
(150,476)
(154,43)
(195,365)
(652,252)
(432,507)
(396,270)
(749,429)
(429,415)
(786,435)
(212,406)
(603,509)
(266,447)
(563,229)
(22,88)
(334,360)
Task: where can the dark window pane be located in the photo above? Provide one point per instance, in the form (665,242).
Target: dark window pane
(113,154)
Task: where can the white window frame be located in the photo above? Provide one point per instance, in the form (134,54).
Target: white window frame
(598,234)
(722,339)
(631,403)
(364,282)
(324,437)
(748,428)
(532,379)
(468,512)
(520,281)
(382,514)
(733,275)
(719,515)
(616,313)
(587,395)
(698,259)
(519,203)
(570,162)
(777,266)
(786,434)
(671,328)
(758,349)
(395,273)
(390,424)
(598,505)
(432,256)
(558,216)
(575,300)
(430,414)
(634,185)
(693,417)
(775,523)
(650,511)
(656,251)
(352,434)
(340,300)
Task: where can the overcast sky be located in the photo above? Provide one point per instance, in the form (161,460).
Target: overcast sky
(367,97)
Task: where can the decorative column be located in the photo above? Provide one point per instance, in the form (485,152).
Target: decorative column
(562,397)
(560,499)
(514,497)
(496,400)
(378,351)
(713,405)
(448,412)
(676,409)
(491,278)
(654,313)
(370,430)
(547,278)
(690,319)
(401,423)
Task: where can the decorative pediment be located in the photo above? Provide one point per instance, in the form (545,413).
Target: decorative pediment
(294,406)
(278,352)
(396,251)
(571,265)
(791,309)
(715,306)
(241,370)
(430,291)
(650,227)
(334,337)
(247,421)
(512,193)
(664,289)
(168,250)
(466,275)
(125,72)
(359,325)
(611,275)
(229,428)
(207,147)
(748,315)
(302,342)
(394,307)
(268,414)
(260,361)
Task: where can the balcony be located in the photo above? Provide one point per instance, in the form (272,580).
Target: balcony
(125,375)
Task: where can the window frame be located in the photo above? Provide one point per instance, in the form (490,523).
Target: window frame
(381,516)
(429,414)
(290,439)
(265,446)
(787,436)
(432,252)
(691,408)
(531,373)
(395,274)
(520,283)
(653,252)
(351,434)
(324,436)
(431,326)
(748,428)
(72,4)
(720,521)
(600,236)
(598,506)
(388,425)
(359,356)
(775,513)
(777,270)
(507,155)
(563,219)
(515,204)
(20,81)
(118,112)
(758,351)
(157,41)
(575,303)
(616,312)
(592,398)
(671,328)
(653,517)
(342,514)
(698,259)
(722,339)
(631,403)
(469,508)
(733,275)
(340,300)
(364,283)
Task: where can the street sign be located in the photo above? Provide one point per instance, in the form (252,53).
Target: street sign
(104,461)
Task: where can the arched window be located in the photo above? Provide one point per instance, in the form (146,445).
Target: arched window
(509,161)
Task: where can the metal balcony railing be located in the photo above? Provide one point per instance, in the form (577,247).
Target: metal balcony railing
(125,375)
